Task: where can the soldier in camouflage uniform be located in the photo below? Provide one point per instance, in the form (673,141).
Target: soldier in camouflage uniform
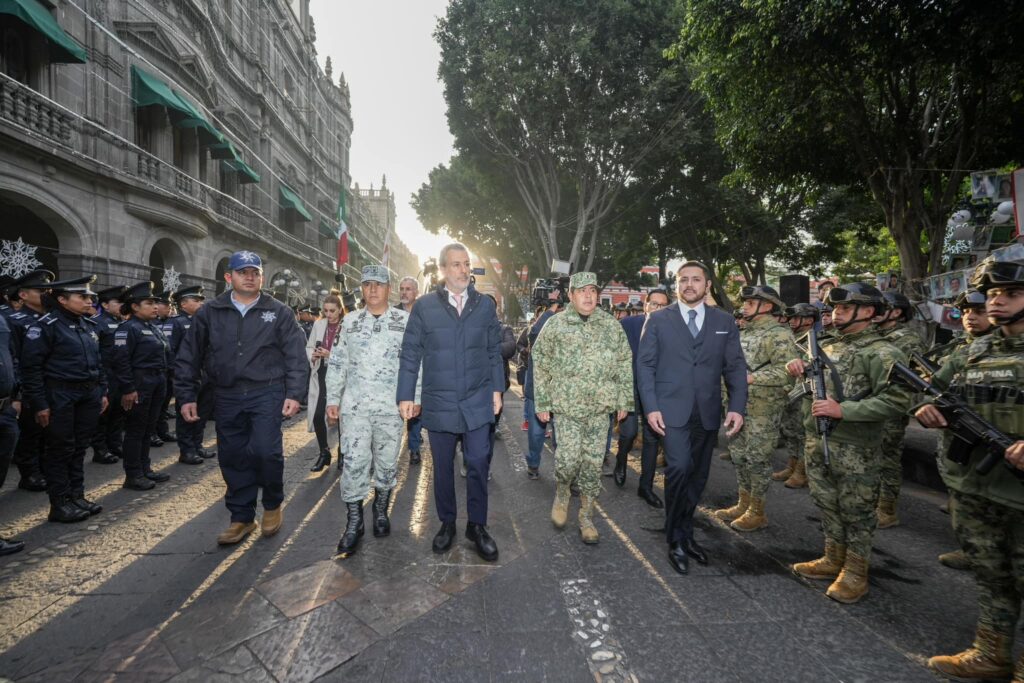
(988,515)
(800,318)
(846,491)
(898,333)
(362,378)
(582,372)
(767,346)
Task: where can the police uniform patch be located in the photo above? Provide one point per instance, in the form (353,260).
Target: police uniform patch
(33,333)
(148,332)
(269,317)
(112,326)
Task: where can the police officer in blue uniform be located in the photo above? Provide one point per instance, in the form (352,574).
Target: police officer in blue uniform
(9,407)
(140,363)
(107,442)
(65,389)
(29,290)
(5,306)
(255,357)
(189,434)
(164,315)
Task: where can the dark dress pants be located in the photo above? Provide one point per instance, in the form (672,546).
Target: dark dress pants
(109,435)
(476,446)
(688,454)
(29,448)
(140,421)
(190,434)
(73,416)
(628,430)
(250,448)
(320,410)
(8,440)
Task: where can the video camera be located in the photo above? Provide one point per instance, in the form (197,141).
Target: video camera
(551,290)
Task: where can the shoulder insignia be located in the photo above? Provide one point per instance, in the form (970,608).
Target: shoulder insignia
(34,332)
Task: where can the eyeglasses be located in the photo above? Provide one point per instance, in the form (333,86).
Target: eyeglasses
(654,307)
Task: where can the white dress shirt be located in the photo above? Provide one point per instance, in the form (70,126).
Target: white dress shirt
(684,310)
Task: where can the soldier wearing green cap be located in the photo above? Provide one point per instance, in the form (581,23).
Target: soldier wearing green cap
(583,371)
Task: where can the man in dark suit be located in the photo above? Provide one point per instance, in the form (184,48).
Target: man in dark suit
(685,353)
(453,332)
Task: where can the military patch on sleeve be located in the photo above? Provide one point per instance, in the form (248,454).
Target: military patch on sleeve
(33,332)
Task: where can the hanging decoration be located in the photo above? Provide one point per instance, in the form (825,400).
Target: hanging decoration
(17,258)
(171,280)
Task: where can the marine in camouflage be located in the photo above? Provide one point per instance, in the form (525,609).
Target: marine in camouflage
(893,433)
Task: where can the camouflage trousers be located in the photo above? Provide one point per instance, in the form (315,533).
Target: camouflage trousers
(751,452)
(846,491)
(992,538)
(371,445)
(893,434)
(580,452)
(791,428)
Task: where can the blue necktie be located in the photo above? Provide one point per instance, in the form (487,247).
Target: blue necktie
(692,324)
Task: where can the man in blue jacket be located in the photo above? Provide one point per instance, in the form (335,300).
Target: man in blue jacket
(454,332)
(254,355)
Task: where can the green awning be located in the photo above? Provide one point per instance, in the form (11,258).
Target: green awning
(245,173)
(148,90)
(290,200)
(327,230)
(223,150)
(63,49)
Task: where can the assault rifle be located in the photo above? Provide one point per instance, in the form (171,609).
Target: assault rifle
(969,429)
(753,370)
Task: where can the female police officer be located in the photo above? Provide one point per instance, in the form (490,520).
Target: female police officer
(140,363)
(64,384)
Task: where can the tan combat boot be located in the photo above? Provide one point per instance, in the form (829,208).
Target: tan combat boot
(753,518)
(798,479)
(955,560)
(587,529)
(729,514)
(271,522)
(826,567)
(988,657)
(887,513)
(787,472)
(560,508)
(235,533)
(852,584)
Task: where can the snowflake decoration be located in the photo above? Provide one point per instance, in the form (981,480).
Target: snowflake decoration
(171,280)
(17,258)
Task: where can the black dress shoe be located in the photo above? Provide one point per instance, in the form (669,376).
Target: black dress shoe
(104,458)
(32,482)
(414,457)
(9,547)
(443,539)
(651,498)
(87,505)
(155,441)
(486,548)
(168,437)
(696,552)
(157,476)
(619,474)
(66,512)
(206,453)
(138,484)
(190,458)
(323,460)
(678,559)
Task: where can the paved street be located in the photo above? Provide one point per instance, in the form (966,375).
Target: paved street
(142,592)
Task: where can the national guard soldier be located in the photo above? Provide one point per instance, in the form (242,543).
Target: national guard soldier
(140,363)
(988,514)
(164,315)
(582,372)
(189,434)
(800,318)
(362,378)
(859,401)
(65,388)
(107,443)
(897,332)
(254,356)
(29,290)
(767,347)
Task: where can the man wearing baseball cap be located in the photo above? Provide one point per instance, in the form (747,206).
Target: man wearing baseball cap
(255,357)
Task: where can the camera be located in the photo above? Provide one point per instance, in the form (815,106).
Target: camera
(551,290)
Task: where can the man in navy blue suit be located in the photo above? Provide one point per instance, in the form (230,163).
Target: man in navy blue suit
(685,353)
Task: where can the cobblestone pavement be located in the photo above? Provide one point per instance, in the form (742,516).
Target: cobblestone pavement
(142,592)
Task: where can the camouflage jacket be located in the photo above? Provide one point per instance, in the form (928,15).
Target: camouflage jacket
(905,339)
(862,361)
(988,374)
(362,373)
(582,367)
(767,346)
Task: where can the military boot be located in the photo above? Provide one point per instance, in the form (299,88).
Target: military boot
(353,532)
(826,567)
(322,460)
(787,471)
(753,518)
(560,508)
(798,479)
(852,584)
(64,510)
(737,510)
(955,560)
(988,657)
(587,529)
(886,512)
(381,523)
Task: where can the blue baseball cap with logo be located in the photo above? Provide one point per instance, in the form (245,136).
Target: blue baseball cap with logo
(245,259)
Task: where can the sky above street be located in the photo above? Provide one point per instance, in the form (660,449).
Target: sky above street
(387,52)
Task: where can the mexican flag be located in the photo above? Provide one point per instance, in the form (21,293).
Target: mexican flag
(342,257)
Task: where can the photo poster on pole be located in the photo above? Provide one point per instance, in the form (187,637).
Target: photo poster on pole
(888,280)
(991,185)
(1017,191)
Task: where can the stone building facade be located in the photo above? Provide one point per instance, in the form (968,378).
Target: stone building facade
(166,134)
